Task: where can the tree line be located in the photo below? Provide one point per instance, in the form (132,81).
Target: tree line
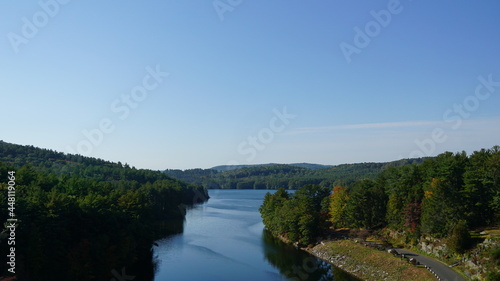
(439,197)
(293,176)
(80,218)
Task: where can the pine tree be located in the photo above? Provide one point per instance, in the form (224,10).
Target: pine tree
(459,238)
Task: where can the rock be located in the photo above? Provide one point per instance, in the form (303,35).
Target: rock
(471,265)
(430,248)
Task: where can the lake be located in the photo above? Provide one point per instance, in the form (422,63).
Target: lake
(224,239)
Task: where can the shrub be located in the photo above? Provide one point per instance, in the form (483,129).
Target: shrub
(459,238)
(495,254)
(493,276)
(363,234)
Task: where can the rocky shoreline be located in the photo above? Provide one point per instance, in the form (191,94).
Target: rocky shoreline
(357,268)
(366,262)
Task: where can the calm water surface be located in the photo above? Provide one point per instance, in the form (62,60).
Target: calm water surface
(223,239)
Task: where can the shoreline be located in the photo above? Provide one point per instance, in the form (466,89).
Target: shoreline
(367,263)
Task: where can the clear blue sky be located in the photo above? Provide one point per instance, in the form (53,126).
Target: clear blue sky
(326,82)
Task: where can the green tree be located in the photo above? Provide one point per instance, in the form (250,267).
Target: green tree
(494,171)
(459,238)
(440,208)
(338,202)
(479,189)
(366,206)
(270,207)
(296,217)
(395,206)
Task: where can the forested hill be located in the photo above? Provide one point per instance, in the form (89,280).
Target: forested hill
(61,164)
(224,168)
(81,218)
(448,197)
(293,176)
(57,164)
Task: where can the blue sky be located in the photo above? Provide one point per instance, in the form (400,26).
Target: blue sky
(187,84)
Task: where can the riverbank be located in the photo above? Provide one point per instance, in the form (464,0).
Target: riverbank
(368,263)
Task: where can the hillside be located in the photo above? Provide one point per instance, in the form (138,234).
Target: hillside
(85,216)
(447,207)
(289,176)
(223,168)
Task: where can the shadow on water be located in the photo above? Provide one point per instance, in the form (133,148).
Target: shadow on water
(299,265)
(98,260)
(145,268)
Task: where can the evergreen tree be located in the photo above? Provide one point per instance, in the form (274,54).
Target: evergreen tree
(459,238)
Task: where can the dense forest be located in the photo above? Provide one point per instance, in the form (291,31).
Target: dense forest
(442,197)
(293,176)
(81,218)
(298,217)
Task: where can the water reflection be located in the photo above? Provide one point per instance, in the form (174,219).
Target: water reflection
(223,239)
(146,265)
(299,265)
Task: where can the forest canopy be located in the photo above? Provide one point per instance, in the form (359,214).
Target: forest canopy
(84,216)
(288,176)
(439,197)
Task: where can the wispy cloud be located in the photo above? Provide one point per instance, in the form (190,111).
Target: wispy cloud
(377,142)
(363,126)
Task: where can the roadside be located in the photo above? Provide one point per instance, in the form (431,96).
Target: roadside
(442,271)
(379,260)
(368,263)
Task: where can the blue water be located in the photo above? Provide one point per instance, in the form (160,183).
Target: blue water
(223,239)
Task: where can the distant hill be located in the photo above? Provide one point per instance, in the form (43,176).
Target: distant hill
(223,168)
(290,176)
(311,166)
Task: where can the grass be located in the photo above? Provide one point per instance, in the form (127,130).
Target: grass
(371,264)
(488,233)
